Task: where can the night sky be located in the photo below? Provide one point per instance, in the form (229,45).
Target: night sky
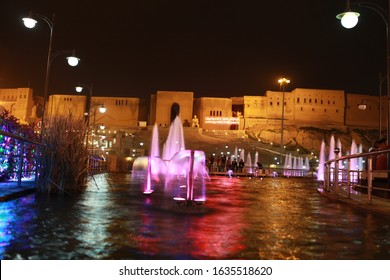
(226,48)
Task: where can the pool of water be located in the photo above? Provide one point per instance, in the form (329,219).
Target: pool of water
(243,218)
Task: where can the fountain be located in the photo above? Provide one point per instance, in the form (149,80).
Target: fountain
(295,166)
(248,163)
(321,164)
(152,169)
(354,162)
(186,177)
(360,160)
(341,165)
(242,155)
(181,172)
(256,157)
(287,166)
(332,145)
(154,147)
(307,164)
(175,140)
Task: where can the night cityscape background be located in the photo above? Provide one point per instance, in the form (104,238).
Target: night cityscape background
(213,48)
(250,170)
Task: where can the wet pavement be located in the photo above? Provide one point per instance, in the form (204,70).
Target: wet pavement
(11,190)
(359,200)
(243,218)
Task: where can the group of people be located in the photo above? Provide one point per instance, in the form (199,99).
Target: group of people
(236,166)
(224,164)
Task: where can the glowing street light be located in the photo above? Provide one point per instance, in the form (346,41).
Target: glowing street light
(30,22)
(282,82)
(349,19)
(102,110)
(363,106)
(385,17)
(80,88)
(73,60)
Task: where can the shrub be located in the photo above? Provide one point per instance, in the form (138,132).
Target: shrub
(64,160)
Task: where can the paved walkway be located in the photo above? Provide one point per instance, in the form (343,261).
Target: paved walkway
(10,190)
(359,200)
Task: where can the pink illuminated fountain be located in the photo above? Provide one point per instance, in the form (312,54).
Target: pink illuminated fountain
(181,172)
(320,173)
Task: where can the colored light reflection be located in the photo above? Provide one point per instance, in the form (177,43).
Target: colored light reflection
(13,217)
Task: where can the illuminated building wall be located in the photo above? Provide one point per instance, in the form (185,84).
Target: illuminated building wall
(315,107)
(318,106)
(255,107)
(164,102)
(122,112)
(19,101)
(214,113)
(65,104)
(274,105)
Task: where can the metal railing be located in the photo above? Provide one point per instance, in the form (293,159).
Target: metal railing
(21,165)
(97,165)
(336,178)
(253,170)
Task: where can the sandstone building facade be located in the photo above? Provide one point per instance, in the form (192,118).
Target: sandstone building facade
(118,130)
(316,107)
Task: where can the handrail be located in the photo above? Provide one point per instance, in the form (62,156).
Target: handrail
(20,166)
(369,170)
(7,134)
(378,152)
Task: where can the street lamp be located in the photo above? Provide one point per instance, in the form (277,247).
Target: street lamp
(102,110)
(349,19)
(282,82)
(385,17)
(363,106)
(79,88)
(30,22)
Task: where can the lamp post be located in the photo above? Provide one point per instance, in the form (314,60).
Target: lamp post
(79,89)
(349,19)
(363,106)
(102,110)
(30,22)
(282,82)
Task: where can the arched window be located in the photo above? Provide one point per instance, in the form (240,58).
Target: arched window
(175,111)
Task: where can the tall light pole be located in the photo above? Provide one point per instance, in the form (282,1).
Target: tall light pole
(381,80)
(30,22)
(79,89)
(282,82)
(349,19)
(363,106)
(102,110)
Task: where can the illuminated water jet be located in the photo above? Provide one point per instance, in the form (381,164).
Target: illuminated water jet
(180,173)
